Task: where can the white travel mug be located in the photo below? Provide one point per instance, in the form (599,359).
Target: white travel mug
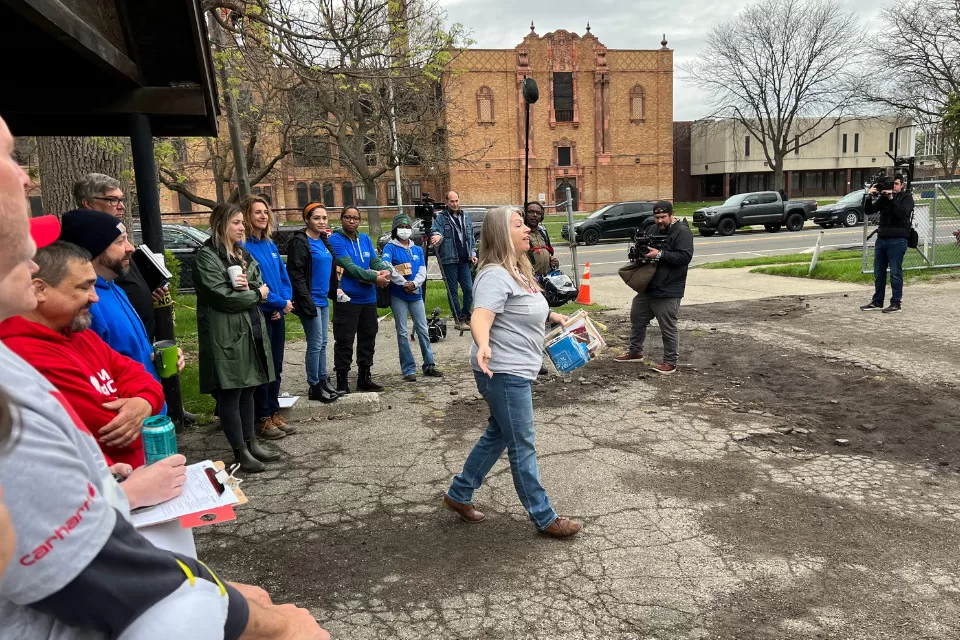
(234,272)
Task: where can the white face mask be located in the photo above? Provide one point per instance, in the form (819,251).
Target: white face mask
(404,234)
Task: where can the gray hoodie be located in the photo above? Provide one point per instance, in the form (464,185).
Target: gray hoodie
(80,570)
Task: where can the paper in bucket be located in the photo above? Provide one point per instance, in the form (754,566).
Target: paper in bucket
(574,343)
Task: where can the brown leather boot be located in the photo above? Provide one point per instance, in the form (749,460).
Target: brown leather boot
(467,512)
(269,431)
(562,528)
(281,424)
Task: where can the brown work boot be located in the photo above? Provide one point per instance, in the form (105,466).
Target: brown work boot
(269,431)
(467,512)
(630,357)
(562,528)
(281,424)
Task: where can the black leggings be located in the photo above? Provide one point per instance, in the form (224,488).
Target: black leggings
(236,414)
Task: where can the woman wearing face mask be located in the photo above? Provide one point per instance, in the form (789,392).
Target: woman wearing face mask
(235,355)
(409,274)
(258,223)
(310,264)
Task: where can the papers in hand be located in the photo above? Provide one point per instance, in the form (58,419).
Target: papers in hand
(199,495)
(151,267)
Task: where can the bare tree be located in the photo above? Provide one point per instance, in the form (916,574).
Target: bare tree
(917,58)
(785,70)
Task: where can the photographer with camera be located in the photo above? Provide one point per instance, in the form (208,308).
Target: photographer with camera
(894,203)
(452,235)
(661,299)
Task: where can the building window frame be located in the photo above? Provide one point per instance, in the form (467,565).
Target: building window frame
(564,110)
(856,143)
(303,194)
(843,147)
(328,200)
(351,194)
(638,104)
(316,192)
(485,106)
(746,146)
(391,192)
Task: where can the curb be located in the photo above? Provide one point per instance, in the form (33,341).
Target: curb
(352,404)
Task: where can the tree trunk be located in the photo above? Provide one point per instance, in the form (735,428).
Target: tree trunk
(372,199)
(779,180)
(64,160)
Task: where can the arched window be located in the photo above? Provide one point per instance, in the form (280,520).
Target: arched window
(391,192)
(346,190)
(485,105)
(414,191)
(314,192)
(638,104)
(328,194)
(303,196)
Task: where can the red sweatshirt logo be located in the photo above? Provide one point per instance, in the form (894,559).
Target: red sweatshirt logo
(103,382)
(61,532)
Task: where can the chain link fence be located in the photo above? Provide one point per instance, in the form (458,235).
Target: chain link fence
(936,217)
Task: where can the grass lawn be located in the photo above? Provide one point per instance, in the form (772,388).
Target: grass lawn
(847,271)
(784,259)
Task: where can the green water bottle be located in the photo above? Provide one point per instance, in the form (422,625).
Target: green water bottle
(159,438)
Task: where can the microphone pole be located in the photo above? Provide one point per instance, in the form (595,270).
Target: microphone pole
(531,93)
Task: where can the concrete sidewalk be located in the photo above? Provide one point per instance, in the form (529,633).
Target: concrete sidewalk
(705,286)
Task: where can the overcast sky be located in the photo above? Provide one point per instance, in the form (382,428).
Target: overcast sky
(619,24)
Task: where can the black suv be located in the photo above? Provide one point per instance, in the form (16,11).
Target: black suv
(618,220)
(183,241)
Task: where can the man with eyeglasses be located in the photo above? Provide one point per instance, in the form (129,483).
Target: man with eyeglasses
(661,299)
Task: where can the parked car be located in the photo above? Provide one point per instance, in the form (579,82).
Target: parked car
(618,220)
(417,236)
(765,208)
(847,211)
(183,241)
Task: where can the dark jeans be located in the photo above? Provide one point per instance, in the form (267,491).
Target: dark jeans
(459,274)
(888,252)
(236,414)
(266,394)
(353,321)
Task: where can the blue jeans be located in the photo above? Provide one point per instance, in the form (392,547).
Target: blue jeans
(888,252)
(265,396)
(316,330)
(510,427)
(454,274)
(416,310)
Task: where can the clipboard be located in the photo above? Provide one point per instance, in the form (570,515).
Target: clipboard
(208,498)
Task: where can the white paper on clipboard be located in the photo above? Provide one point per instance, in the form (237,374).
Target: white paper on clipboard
(198,495)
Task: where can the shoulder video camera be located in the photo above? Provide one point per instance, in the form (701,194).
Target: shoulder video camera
(643,242)
(427,209)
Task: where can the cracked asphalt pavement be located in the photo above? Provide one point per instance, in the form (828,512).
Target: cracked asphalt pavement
(797,478)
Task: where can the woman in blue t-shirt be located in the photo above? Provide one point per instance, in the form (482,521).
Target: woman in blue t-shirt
(409,274)
(310,263)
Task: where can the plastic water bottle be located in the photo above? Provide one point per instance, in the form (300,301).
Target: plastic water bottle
(159,438)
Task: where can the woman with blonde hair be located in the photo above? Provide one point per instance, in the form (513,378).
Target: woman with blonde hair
(507,326)
(234,345)
(258,226)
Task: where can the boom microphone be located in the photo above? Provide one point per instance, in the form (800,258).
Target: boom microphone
(530,91)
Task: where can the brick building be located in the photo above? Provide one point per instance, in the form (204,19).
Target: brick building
(603,123)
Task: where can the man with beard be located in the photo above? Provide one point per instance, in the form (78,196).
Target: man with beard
(541,251)
(114,318)
(111,393)
(661,299)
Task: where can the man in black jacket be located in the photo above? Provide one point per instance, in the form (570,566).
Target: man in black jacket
(895,208)
(661,300)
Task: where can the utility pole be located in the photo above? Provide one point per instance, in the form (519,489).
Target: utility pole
(230,106)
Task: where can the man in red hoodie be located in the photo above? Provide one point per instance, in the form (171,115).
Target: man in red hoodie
(111,393)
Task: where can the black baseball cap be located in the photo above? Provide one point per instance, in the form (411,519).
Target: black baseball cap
(663,206)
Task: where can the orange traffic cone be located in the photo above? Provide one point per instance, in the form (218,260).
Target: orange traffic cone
(584,296)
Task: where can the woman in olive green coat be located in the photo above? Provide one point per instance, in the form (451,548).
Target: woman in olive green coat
(234,346)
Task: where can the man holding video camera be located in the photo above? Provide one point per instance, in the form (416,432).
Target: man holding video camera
(894,204)
(661,299)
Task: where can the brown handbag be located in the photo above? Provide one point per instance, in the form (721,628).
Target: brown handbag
(637,276)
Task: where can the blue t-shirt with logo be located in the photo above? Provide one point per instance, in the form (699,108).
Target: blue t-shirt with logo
(360,251)
(321,265)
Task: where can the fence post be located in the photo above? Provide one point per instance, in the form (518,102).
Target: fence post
(933,219)
(572,235)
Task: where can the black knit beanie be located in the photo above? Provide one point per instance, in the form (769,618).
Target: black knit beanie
(92,230)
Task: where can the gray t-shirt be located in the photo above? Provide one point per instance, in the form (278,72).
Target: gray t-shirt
(516,337)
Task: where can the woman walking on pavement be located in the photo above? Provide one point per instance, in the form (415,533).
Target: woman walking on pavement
(406,297)
(258,224)
(234,346)
(508,329)
(310,264)
(363,272)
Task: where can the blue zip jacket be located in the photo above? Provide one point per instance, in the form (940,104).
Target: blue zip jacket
(360,264)
(274,273)
(115,321)
(394,254)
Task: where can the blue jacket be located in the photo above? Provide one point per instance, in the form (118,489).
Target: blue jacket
(360,266)
(443,225)
(274,273)
(395,254)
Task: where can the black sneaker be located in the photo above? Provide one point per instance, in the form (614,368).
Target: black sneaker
(432,371)
(872,307)
(893,308)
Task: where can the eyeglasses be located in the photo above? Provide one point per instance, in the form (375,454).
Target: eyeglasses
(113,200)
(350,219)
